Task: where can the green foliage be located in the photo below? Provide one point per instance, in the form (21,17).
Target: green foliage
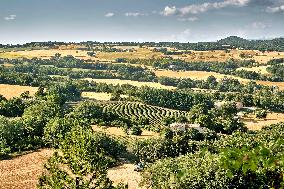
(38,115)
(142,114)
(260,114)
(12,108)
(14,137)
(136,130)
(172,145)
(56,129)
(241,160)
(82,161)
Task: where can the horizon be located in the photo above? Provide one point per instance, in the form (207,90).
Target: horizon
(182,21)
(76,42)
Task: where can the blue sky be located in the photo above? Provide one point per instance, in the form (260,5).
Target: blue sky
(139,20)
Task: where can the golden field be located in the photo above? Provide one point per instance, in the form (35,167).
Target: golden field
(256,124)
(134,83)
(146,53)
(202,75)
(97,96)
(10,91)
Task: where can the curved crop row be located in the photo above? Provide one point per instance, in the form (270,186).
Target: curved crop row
(135,110)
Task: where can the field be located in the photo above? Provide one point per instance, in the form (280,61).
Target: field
(137,110)
(256,124)
(144,53)
(125,174)
(10,91)
(134,83)
(23,171)
(202,75)
(97,96)
(259,69)
(141,53)
(115,131)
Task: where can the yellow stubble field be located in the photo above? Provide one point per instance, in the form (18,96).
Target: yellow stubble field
(10,91)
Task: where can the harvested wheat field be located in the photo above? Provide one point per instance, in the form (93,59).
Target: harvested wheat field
(125,174)
(115,131)
(46,54)
(22,172)
(10,91)
(134,83)
(140,53)
(200,75)
(256,124)
(259,69)
(270,83)
(97,96)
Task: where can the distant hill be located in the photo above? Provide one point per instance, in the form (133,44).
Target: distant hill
(231,42)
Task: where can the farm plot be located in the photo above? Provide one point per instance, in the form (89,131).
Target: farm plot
(134,83)
(137,110)
(10,91)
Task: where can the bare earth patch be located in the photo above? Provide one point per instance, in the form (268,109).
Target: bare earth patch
(22,172)
(10,91)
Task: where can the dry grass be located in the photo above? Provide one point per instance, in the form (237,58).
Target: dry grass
(202,75)
(269,83)
(140,53)
(125,174)
(259,69)
(222,56)
(115,131)
(97,96)
(145,53)
(46,54)
(134,83)
(10,91)
(256,124)
(22,172)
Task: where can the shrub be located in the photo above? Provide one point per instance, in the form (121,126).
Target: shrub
(136,130)
(57,128)
(96,153)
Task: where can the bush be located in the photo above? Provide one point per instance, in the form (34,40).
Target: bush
(96,153)
(260,114)
(38,115)
(57,128)
(241,160)
(136,130)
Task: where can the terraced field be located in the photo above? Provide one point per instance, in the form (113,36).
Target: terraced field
(137,110)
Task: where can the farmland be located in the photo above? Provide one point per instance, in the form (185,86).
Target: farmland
(10,91)
(120,107)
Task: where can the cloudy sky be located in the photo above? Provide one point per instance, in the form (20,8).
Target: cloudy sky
(139,20)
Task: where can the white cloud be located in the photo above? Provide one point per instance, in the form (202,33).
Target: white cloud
(258,25)
(168,11)
(190,19)
(134,14)
(10,17)
(204,7)
(110,14)
(275,9)
(183,36)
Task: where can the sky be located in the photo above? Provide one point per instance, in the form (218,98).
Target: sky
(24,21)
